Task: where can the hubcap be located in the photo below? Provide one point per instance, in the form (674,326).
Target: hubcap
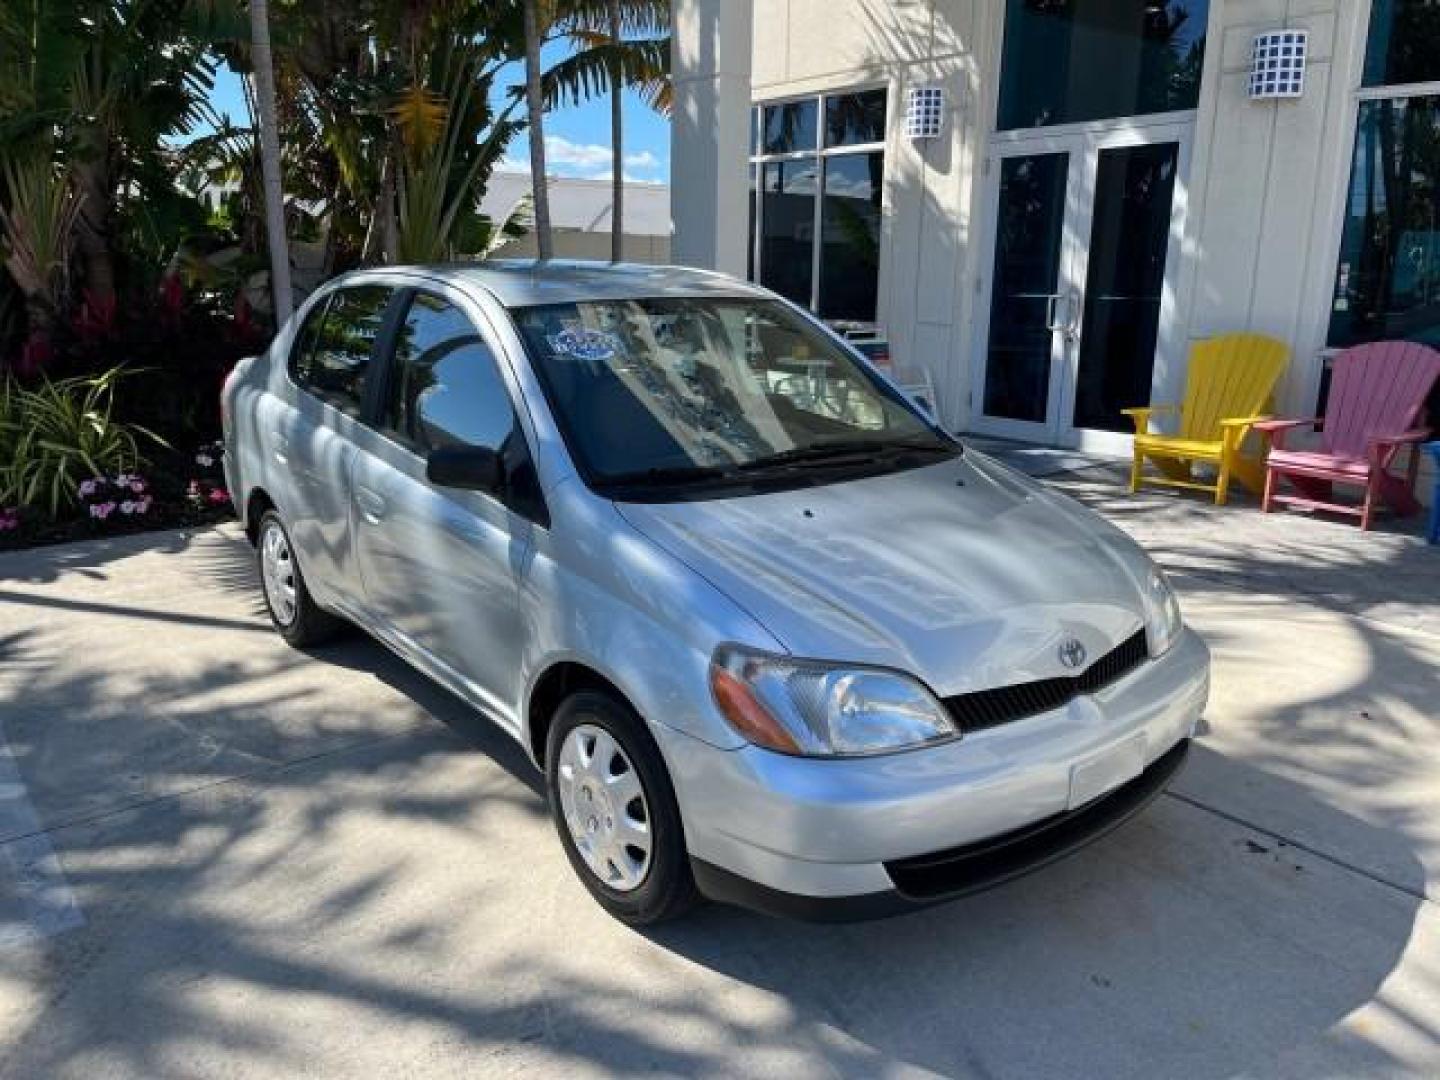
(277,570)
(604,807)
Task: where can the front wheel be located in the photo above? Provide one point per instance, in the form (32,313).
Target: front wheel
(615,810)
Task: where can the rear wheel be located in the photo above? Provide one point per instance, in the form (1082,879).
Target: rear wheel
(293,611)
(615,810)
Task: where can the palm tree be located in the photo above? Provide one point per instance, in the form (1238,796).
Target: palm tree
(610,60)
(535,108)
(270,160)
(617,143)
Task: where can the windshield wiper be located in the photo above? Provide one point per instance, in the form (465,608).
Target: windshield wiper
(842,451)
(668,474)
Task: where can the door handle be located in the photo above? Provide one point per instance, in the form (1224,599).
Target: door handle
(1052,304)
(1072,314)
(372,506)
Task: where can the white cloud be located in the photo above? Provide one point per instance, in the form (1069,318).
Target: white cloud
(642,160)
(561,152)
(589,161)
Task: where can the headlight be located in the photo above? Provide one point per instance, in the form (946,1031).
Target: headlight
(1162,613)
(819,710)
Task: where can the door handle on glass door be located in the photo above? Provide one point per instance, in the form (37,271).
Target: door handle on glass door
(1052,304)
(1072,314)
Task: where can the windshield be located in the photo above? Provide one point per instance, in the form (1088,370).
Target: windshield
(685,391)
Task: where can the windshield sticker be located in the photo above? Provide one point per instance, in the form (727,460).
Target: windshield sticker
(590,346)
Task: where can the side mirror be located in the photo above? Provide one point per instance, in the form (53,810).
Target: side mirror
(473,468)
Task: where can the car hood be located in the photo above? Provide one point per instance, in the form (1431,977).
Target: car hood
(963,573)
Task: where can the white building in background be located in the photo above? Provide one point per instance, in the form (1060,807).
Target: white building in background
(580,217)
(1103,189)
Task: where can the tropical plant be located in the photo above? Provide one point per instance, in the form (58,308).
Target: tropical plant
(492,235)
(58,434)
(449,140)
(37,223)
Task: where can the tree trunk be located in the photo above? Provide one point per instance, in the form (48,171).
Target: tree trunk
(92,227)
(270,161)
(389,223)
(617,144)
(535,106)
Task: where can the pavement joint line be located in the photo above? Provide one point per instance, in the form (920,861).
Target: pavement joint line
(237,778)
(31,865)
(1333,860)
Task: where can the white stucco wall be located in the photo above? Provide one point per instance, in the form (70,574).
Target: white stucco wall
(1264,191)
(805,46)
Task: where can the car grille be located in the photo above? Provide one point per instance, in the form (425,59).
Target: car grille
(991,708)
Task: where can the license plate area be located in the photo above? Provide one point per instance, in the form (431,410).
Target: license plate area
(1104,772)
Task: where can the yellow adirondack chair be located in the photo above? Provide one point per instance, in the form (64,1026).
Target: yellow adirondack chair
(1229,386)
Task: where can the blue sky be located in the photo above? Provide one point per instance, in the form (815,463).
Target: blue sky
(578,138)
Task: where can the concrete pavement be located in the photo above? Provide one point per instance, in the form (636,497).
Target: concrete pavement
(219,856)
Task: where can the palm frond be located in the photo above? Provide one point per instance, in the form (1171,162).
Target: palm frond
(643,66)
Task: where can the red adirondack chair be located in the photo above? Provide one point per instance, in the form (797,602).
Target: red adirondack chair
(1377,393)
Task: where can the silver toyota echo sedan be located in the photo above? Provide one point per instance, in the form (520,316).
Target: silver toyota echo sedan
(774,636)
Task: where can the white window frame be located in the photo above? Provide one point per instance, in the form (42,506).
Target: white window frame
(1359,94)
(758,160)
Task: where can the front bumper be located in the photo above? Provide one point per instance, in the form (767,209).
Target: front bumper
(866,837)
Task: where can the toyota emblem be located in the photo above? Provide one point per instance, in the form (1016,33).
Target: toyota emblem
(1072,653)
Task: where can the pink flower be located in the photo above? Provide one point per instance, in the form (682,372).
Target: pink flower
(137,486)
(194,488)
(88,488)
(103,510)
(143,506)
(9,519)
(219,496)
(127,508)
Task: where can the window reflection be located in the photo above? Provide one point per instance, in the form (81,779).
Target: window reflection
(850,228)
(854,119)
(1071,60)
(789,127)
(820,208)
(1404,42)
(787,219)
(1388,281)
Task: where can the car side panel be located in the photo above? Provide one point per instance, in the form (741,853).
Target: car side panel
(442,567)
(599,593)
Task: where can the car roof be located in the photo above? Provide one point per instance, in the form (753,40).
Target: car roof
(527,282)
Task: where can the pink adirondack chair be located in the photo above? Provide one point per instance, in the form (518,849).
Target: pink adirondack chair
(1377,393)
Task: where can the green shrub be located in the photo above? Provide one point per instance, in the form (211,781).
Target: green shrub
(57,434)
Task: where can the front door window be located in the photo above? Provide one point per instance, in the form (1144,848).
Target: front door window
(1068,61)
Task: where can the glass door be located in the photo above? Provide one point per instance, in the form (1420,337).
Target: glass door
(1085,230)
(1125,278)
(1031,292)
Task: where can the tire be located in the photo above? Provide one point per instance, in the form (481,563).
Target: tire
(293,611)
(664,888)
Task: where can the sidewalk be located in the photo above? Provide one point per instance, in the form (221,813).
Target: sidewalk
(242,860)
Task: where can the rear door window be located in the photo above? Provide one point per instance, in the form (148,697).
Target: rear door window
(334,361)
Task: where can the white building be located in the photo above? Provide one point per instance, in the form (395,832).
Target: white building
(580,217)
(1103,190)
